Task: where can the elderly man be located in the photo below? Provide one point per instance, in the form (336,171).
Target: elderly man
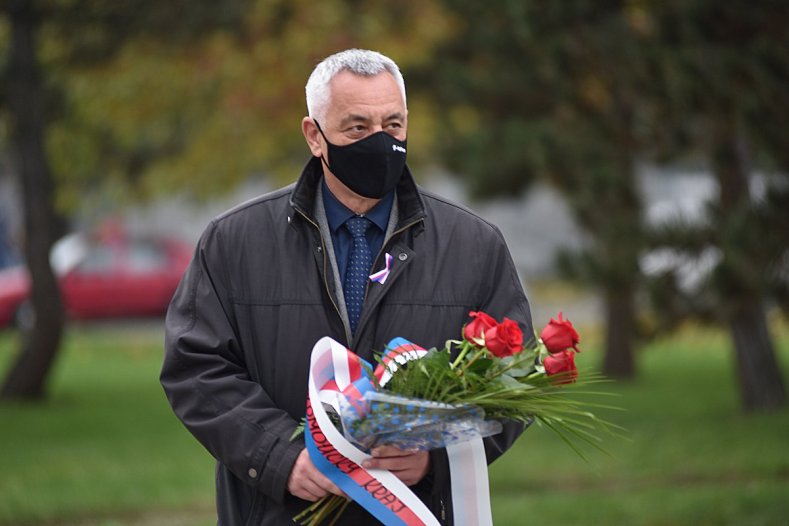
(272,276)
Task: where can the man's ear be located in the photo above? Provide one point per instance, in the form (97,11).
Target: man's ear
(312,136)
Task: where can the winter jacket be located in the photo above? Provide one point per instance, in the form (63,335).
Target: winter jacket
(262,289)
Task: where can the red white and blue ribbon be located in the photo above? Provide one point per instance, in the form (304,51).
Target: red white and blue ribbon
(337,375)
(381,275)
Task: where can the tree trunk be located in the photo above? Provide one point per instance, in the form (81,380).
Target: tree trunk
(761,384)
(623,238)
(26,104)
(620,320)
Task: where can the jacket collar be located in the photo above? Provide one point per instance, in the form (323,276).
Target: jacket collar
(409,202)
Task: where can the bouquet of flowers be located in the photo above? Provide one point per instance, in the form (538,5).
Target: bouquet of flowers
(426,399)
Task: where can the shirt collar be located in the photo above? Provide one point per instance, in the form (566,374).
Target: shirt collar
(337,213)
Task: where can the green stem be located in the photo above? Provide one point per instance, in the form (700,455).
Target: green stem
(474,359)
(339,512)
(463,352)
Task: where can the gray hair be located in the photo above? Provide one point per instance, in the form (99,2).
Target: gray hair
(358,61)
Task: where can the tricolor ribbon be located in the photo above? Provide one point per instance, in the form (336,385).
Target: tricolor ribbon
(337,374)
(381,275)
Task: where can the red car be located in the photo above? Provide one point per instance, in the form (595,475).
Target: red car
(111,278)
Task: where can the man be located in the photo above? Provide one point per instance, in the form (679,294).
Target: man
(274,275)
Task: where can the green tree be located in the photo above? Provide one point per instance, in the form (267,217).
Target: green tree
(82,32)
(149,98)
(230,104)
(726,66)
(554,91)
(25,98)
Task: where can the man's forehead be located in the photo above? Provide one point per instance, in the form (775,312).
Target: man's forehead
(352,89)
(348,75)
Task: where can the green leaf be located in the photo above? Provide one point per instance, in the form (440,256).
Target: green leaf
(518,372)
(509,382)
(480,366)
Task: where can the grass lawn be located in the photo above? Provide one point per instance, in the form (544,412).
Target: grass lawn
(691,458)
(105,450)
(106,444)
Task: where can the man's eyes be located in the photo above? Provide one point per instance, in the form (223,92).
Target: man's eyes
(356,131)
(362,129)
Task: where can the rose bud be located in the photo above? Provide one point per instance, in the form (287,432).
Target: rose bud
(474,331)
(559,335)
(562,363)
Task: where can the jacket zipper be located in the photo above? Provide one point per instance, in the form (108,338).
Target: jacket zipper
(325,271)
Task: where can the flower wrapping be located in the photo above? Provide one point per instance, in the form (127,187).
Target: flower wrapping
(419,399)
(412,424)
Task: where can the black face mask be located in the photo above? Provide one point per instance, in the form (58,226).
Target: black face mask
(371,167)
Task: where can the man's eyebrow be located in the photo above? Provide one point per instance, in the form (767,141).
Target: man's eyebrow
(353,118)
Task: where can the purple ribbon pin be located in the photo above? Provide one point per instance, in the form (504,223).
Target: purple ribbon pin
(381,275)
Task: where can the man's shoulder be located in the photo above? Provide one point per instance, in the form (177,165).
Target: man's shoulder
(445,209)
(256,215)
(272,201)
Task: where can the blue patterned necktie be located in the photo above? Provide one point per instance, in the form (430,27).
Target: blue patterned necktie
(358,270)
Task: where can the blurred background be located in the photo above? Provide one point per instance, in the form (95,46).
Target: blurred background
(634,153)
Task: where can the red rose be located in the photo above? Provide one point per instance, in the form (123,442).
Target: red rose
(559,335)
(475,329)
(505,339)
(561,363)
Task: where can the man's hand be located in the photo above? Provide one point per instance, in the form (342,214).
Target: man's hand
(306,482)
(408,466)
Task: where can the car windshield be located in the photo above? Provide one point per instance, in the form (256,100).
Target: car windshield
(98,260)
(145,257)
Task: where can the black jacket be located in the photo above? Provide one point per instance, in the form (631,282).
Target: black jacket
(261,290)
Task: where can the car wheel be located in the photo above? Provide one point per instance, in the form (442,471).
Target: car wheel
(25,316)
